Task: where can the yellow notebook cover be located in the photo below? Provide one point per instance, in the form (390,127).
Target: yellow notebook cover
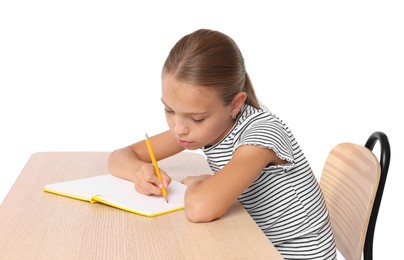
(121,194)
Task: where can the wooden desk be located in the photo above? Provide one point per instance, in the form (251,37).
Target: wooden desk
(39,225)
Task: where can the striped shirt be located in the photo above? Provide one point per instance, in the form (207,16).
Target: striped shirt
(284,200)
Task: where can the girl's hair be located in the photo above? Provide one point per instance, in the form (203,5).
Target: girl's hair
(212,59)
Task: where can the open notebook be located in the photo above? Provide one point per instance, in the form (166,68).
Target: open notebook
(120,193)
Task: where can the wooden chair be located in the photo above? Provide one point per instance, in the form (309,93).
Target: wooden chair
(353,182)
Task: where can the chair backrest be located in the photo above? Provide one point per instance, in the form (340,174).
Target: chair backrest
(350,181)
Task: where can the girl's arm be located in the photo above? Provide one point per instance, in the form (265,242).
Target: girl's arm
(209,197)
(133,162)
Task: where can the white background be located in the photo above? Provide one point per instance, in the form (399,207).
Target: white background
(85,76)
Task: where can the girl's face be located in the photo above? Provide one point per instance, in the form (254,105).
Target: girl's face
(195,114)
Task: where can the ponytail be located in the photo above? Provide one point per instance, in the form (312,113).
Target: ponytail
(251,97)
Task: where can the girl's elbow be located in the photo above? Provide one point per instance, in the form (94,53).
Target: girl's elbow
(198,216)
(199,212)
(111,163)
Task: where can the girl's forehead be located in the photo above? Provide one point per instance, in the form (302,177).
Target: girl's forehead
(180,95)
(172,85)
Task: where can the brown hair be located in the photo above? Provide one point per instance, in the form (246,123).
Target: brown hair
(212,59)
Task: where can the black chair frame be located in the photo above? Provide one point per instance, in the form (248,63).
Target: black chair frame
(384,167)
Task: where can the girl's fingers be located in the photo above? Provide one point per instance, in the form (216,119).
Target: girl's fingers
(166,179)
(148,189)
(149,183)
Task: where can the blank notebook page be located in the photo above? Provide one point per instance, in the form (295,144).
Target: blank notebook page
(121,194)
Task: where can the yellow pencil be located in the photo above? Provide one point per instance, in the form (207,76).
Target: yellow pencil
(156,167)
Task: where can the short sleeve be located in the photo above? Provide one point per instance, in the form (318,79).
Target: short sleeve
(270,134)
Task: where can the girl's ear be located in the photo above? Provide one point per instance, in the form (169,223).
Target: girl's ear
(237,103)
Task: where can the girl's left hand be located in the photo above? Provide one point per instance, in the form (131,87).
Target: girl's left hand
(188,181)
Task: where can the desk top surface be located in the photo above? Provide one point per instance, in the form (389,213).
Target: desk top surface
(39,225)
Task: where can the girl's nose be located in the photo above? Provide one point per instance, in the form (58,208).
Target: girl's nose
(180,128)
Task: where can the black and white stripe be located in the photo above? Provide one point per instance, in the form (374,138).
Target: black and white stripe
(284,200)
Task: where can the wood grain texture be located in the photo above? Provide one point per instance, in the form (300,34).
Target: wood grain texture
(39,225)
(349,182)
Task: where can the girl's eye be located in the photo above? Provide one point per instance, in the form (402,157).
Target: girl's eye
(198,120)
(168,111)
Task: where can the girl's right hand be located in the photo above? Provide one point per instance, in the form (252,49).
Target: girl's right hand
(147,182)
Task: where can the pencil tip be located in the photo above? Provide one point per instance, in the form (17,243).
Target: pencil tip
(145,134)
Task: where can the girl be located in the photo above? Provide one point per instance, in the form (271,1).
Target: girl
(210,104)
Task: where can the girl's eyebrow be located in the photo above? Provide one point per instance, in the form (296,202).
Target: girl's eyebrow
(190,113)
(164,102)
